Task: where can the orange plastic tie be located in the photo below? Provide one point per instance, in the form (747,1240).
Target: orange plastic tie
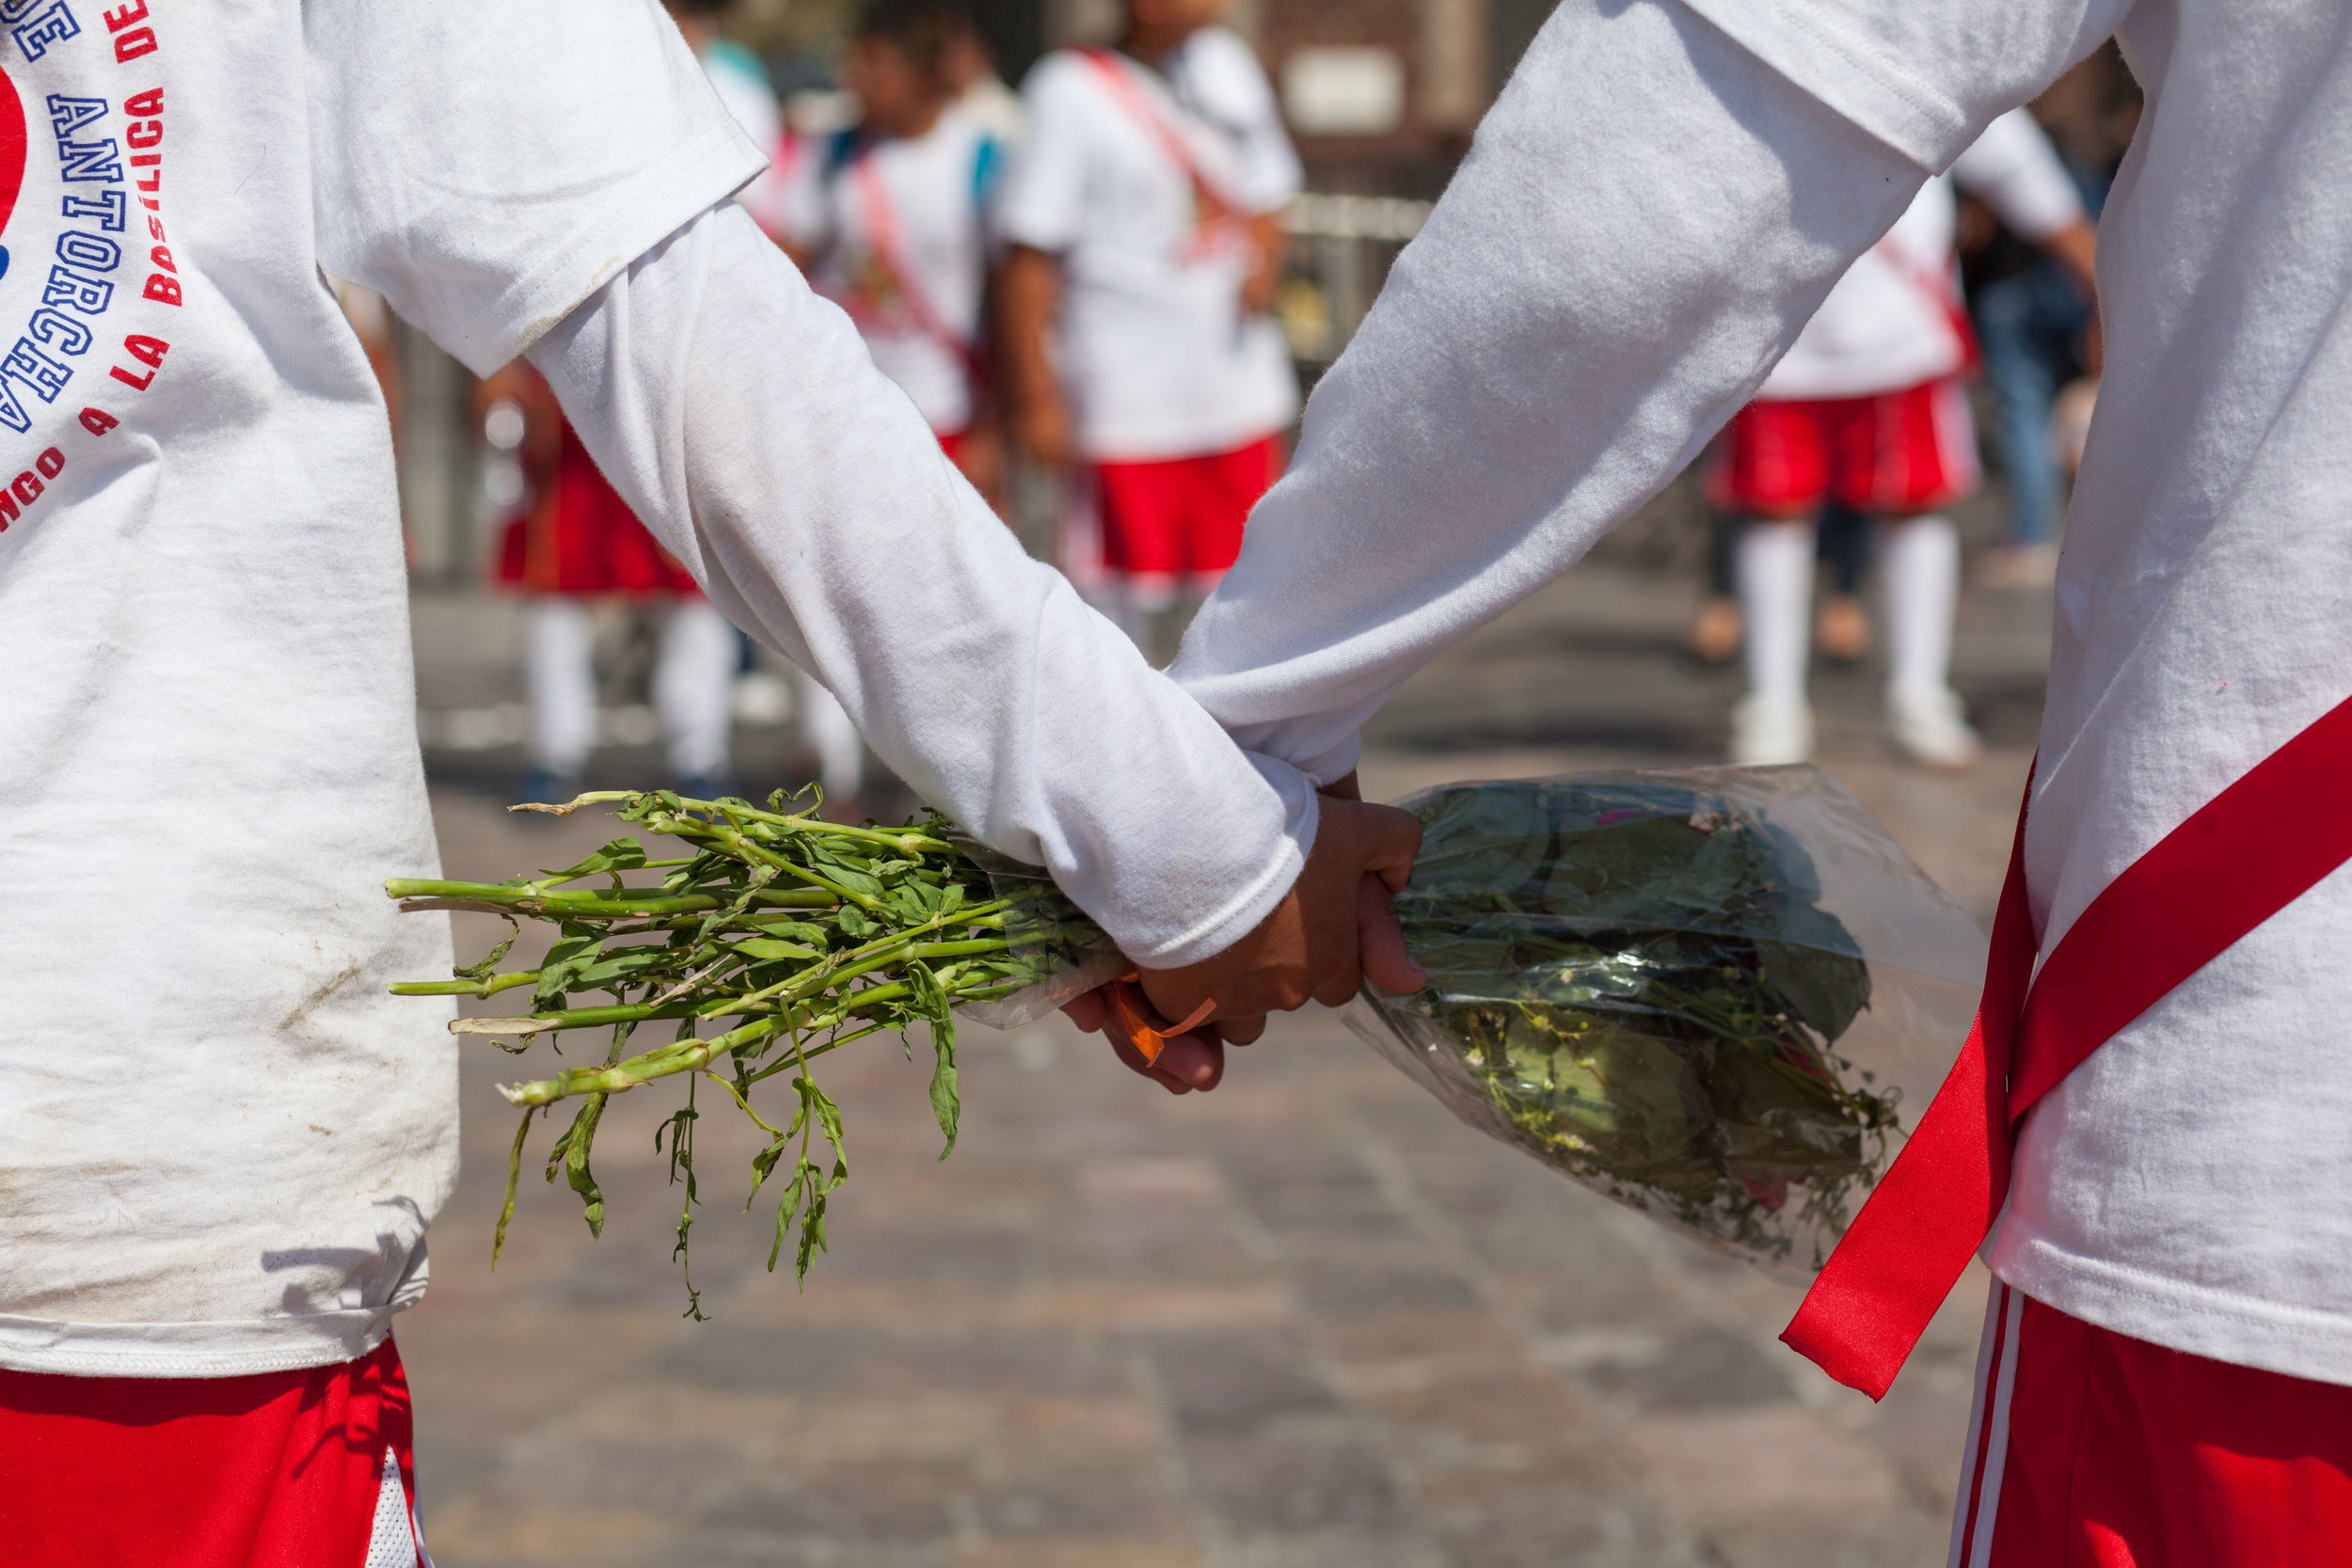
(1128,1001)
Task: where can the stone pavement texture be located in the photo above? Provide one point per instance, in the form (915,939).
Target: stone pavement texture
(1305,1321)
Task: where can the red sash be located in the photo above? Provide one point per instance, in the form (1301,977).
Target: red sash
(881,236)
(2245,855)
(1215,222)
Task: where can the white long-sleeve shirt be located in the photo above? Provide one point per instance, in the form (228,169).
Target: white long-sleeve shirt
(221,1142)
(1661,197)
(1893,320)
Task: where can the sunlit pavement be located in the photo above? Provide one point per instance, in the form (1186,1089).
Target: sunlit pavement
(1305,1320)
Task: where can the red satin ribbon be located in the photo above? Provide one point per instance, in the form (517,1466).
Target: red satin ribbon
(2245,855)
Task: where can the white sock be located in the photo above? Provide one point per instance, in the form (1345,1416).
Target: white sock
(693,680)
(1920,560)
(840,751)
(560,675)
(1776,571)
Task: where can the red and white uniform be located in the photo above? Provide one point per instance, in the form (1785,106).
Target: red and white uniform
(1866,407)
(221,1155)
(1141,180)
(2089,1449)
(312,1466)
(898,230)
(1663,195)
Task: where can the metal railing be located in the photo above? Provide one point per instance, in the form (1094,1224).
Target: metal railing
(1342,247)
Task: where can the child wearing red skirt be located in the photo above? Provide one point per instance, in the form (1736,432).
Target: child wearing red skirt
(572,545)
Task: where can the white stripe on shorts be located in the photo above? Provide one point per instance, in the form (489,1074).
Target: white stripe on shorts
(1982,1461)
(393,1543)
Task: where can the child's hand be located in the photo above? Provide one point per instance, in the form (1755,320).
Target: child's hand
(1333,930)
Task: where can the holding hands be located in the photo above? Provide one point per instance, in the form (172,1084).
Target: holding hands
(1333,930)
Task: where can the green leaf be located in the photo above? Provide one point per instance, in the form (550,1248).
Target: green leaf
(575,1148)
(482,971)
(813,1221)
(931,1002)
(767,949)
(627,966)
(622,854)
(571,953)
(786,930)
(817,1103)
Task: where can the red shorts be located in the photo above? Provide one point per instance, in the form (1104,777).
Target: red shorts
(310,1468)
(1893,452)
(1182,516)
(2104,1451)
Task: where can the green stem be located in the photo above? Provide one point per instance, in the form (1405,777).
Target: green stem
(692,1056)
(907,839)
(590,906)
(490,986)
(830,971)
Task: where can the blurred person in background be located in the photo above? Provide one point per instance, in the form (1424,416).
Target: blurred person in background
(1867,408)
(981,92)
(888,219)
(1842,629)
(1142,255)
(2033,314)
(571,544)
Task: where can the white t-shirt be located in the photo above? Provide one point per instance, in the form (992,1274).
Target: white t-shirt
(1158,357)
(899,230)
(1659,202)
(1890,324)
(220,1140)
(741,83)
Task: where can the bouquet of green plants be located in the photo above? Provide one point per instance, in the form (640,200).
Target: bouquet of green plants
(771,939)
(1638,978)
(1671,987)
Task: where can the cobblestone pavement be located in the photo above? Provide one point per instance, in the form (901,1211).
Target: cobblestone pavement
(1305,1321)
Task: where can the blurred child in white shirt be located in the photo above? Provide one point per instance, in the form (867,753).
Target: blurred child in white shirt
(889,217)
(1142,256)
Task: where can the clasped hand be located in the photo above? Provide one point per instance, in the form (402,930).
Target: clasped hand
(1334,929)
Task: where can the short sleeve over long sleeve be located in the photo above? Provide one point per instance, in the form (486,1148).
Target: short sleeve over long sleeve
(486,165)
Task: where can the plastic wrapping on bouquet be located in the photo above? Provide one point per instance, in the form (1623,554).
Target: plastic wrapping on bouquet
(1050,936)
(1719,995)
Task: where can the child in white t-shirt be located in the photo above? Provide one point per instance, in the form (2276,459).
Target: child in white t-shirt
(1867,409)
(889,217)
(1143,254)
(1658,203)
(221,1140)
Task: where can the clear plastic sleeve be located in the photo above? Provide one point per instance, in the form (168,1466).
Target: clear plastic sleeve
(1062,953)
(1718,995)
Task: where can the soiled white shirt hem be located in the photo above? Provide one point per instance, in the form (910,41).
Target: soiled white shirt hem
(2221,1326)
(228,1348)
